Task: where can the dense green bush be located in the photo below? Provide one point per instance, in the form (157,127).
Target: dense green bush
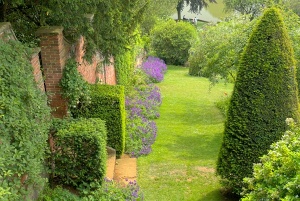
(277,177)
(113,191)
(125,61)
(108,103)
(24,125)
(171,41)
(216,54)
(58,194)
(265,94)
(74,88)
(79,155)
(223,104)
(124,64)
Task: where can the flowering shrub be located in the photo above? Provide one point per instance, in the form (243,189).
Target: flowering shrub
(141,106)
(276,177)
(144,99)
(108,191)
(154,68)
(112,191)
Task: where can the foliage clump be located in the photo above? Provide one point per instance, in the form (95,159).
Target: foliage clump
(172,40)
(265,94)
(108,104)
(78,155)
(74,88)
(276,176)
(216,54)
(24,125)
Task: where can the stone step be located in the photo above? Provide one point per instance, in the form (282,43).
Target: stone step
(125,170)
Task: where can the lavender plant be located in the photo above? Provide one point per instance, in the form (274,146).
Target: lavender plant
(142,107)
(112,191)
(144,99)
(154,69)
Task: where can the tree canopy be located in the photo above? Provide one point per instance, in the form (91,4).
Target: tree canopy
(110,30)
(195,5)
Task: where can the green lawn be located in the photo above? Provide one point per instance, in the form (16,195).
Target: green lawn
(182,163)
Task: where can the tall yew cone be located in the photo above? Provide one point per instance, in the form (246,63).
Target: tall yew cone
(264,95)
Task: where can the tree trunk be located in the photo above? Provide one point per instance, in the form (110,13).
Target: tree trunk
(179,9)
(3,8)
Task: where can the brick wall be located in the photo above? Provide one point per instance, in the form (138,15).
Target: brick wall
(94,72)
(54,52)
(54,55)
(36,65)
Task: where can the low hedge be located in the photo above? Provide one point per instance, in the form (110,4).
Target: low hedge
(108,103)
(79,153)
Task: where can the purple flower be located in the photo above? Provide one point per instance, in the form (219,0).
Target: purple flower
(141,107)
(154,68)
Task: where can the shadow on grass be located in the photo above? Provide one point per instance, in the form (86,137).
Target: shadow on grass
(224,197)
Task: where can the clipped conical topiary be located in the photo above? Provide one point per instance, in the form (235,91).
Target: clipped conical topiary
(265,94)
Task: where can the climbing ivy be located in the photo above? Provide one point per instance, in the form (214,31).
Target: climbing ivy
(24,125)
(74,88)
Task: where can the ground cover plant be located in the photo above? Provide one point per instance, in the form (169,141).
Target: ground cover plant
(109,191)
(265,94)
(182,163)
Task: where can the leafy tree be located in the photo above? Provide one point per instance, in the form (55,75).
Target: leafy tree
(111,29)
(251,7)
(254,7)
(156,10)
(295,6)
(195,5)
(172,40)
(265,94)
(215,55)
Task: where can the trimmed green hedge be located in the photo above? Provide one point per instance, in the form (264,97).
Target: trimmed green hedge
(124,64)
(108,103)
(79,156)
(265,94)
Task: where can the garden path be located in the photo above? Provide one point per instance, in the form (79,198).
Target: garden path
(182,163)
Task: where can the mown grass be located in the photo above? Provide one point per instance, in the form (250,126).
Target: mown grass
(182,163)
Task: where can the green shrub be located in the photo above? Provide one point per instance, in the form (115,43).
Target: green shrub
(74,88)
(277,177)
(112,191)
(24,125)
(216,54)
(108,103)
(58,194)
(124,64)
(172,40)
(125,61)
(265,94)
(223,104)
(79,156)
